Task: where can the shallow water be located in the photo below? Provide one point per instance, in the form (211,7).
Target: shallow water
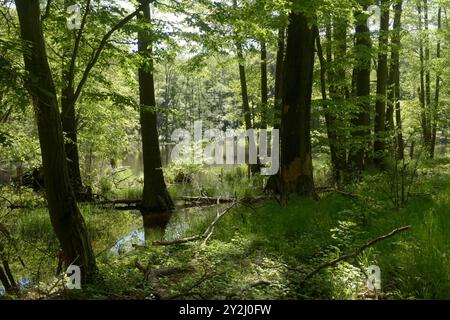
(23,284)
(155,227)
(166,226)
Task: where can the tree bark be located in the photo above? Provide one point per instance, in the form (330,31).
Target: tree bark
(69,126)
(361,121)
(394,82)
(264,86)
(337,88)
(296,160)
(279,76)
(155,197)
(434,113)
(382,79)
(68,104)
(273,182)
(254,168)
(329,119)
(65,216)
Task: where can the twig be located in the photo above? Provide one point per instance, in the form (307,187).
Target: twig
(241,289)
(47,10)
(329,189)
(354,253)
(152,273)
(189,291)
(204,199)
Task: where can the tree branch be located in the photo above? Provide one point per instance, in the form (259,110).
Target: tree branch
(103,42)
(47,10)
(204,236)
(355,253)
(76,47)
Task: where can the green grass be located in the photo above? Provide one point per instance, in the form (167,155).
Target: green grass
(271,242)
(414,264)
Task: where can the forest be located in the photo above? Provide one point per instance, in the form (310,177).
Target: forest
(224,150)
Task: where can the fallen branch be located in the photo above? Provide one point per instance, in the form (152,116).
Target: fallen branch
(214,200)
(122,204)
(204,199)
(204,236)
(152,273)
(242,289)
(190,290)
(329,189)
(354,253)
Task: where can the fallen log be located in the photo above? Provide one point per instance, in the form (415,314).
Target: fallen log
(204,199)
(121,205)
(214,200)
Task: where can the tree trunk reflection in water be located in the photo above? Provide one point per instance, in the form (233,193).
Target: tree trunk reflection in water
(155,225)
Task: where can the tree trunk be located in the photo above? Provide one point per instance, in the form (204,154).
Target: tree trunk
(361,121)
(434,113)
(244,89)
(329,119)
(279,76)
(394,82)
(155,197)
(254,168)
(273,182)
(68,116)
(296,160)
(69,126)
(66,219)
(429,106)
(338,89)
(264,86)
(382,78)
(421,89)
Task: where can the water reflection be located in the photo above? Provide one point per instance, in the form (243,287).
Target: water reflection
(163,226)
(155,225)
(22,283)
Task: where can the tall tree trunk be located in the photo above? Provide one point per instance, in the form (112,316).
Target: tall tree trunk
(338,90)
(279,76)
(361,121)
(331,133)
(264,86)
(273,183)
(423,92)
(254,168)
(69,126)
(434,113)
(427,78)
(244,89)
(68,115)
(326,69)
(65,216)
(394,82)
(296,159)
(155,197)
(382,79)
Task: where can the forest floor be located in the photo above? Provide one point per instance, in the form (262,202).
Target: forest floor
(260,250)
